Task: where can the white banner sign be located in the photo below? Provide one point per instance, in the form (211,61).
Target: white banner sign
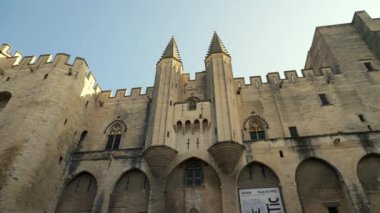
(264,200)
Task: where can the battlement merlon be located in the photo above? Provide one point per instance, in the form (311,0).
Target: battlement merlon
(198,76)
(7,59)
(5,51)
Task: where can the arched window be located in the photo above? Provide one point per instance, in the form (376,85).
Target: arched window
(192,103)
(4,99)
(114,133)
(193,174)
(256,127)
(187,127)
(197,126)
(179,126)
(204,125)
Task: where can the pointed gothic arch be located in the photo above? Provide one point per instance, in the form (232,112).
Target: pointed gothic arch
(368,170)
(78,195)
(257,175)
(255,128)
(321,187)
(196,182)
(115,131)
(130,193)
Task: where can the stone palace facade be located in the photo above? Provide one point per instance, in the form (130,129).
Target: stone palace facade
(308,142)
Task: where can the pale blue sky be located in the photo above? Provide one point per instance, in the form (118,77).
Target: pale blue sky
(122,40)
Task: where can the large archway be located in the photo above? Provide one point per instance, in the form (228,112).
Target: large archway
(320,188)
(78,195)
(259,189)
(369,176)
(131,193)
(193,186)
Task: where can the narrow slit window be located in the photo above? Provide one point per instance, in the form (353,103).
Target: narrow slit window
(293,132)
(324,100)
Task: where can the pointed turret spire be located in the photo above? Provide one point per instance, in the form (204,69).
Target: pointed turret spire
(171,51)
(216,46)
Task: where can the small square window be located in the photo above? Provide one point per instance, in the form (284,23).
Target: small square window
(293,132)
(361,117)
(324,100)
(369,67)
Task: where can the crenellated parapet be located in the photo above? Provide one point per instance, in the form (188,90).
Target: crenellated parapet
(274,81)
(60,61)
(136,94)
(13,66)
(198,76)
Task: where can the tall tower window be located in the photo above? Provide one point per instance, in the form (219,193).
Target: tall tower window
(114,134)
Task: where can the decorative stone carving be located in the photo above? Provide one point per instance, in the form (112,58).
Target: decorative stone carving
(227,154)
(159,157)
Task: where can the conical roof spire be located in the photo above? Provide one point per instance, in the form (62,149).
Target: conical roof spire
(171,51)
(216,46)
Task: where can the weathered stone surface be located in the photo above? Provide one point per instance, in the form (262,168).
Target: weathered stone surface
(189,145)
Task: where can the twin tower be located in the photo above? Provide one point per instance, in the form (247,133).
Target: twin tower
(207,107)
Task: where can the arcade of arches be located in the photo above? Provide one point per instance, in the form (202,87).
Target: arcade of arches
(194,186)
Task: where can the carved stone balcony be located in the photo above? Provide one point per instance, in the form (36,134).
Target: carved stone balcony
(227,154)
(159,157)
